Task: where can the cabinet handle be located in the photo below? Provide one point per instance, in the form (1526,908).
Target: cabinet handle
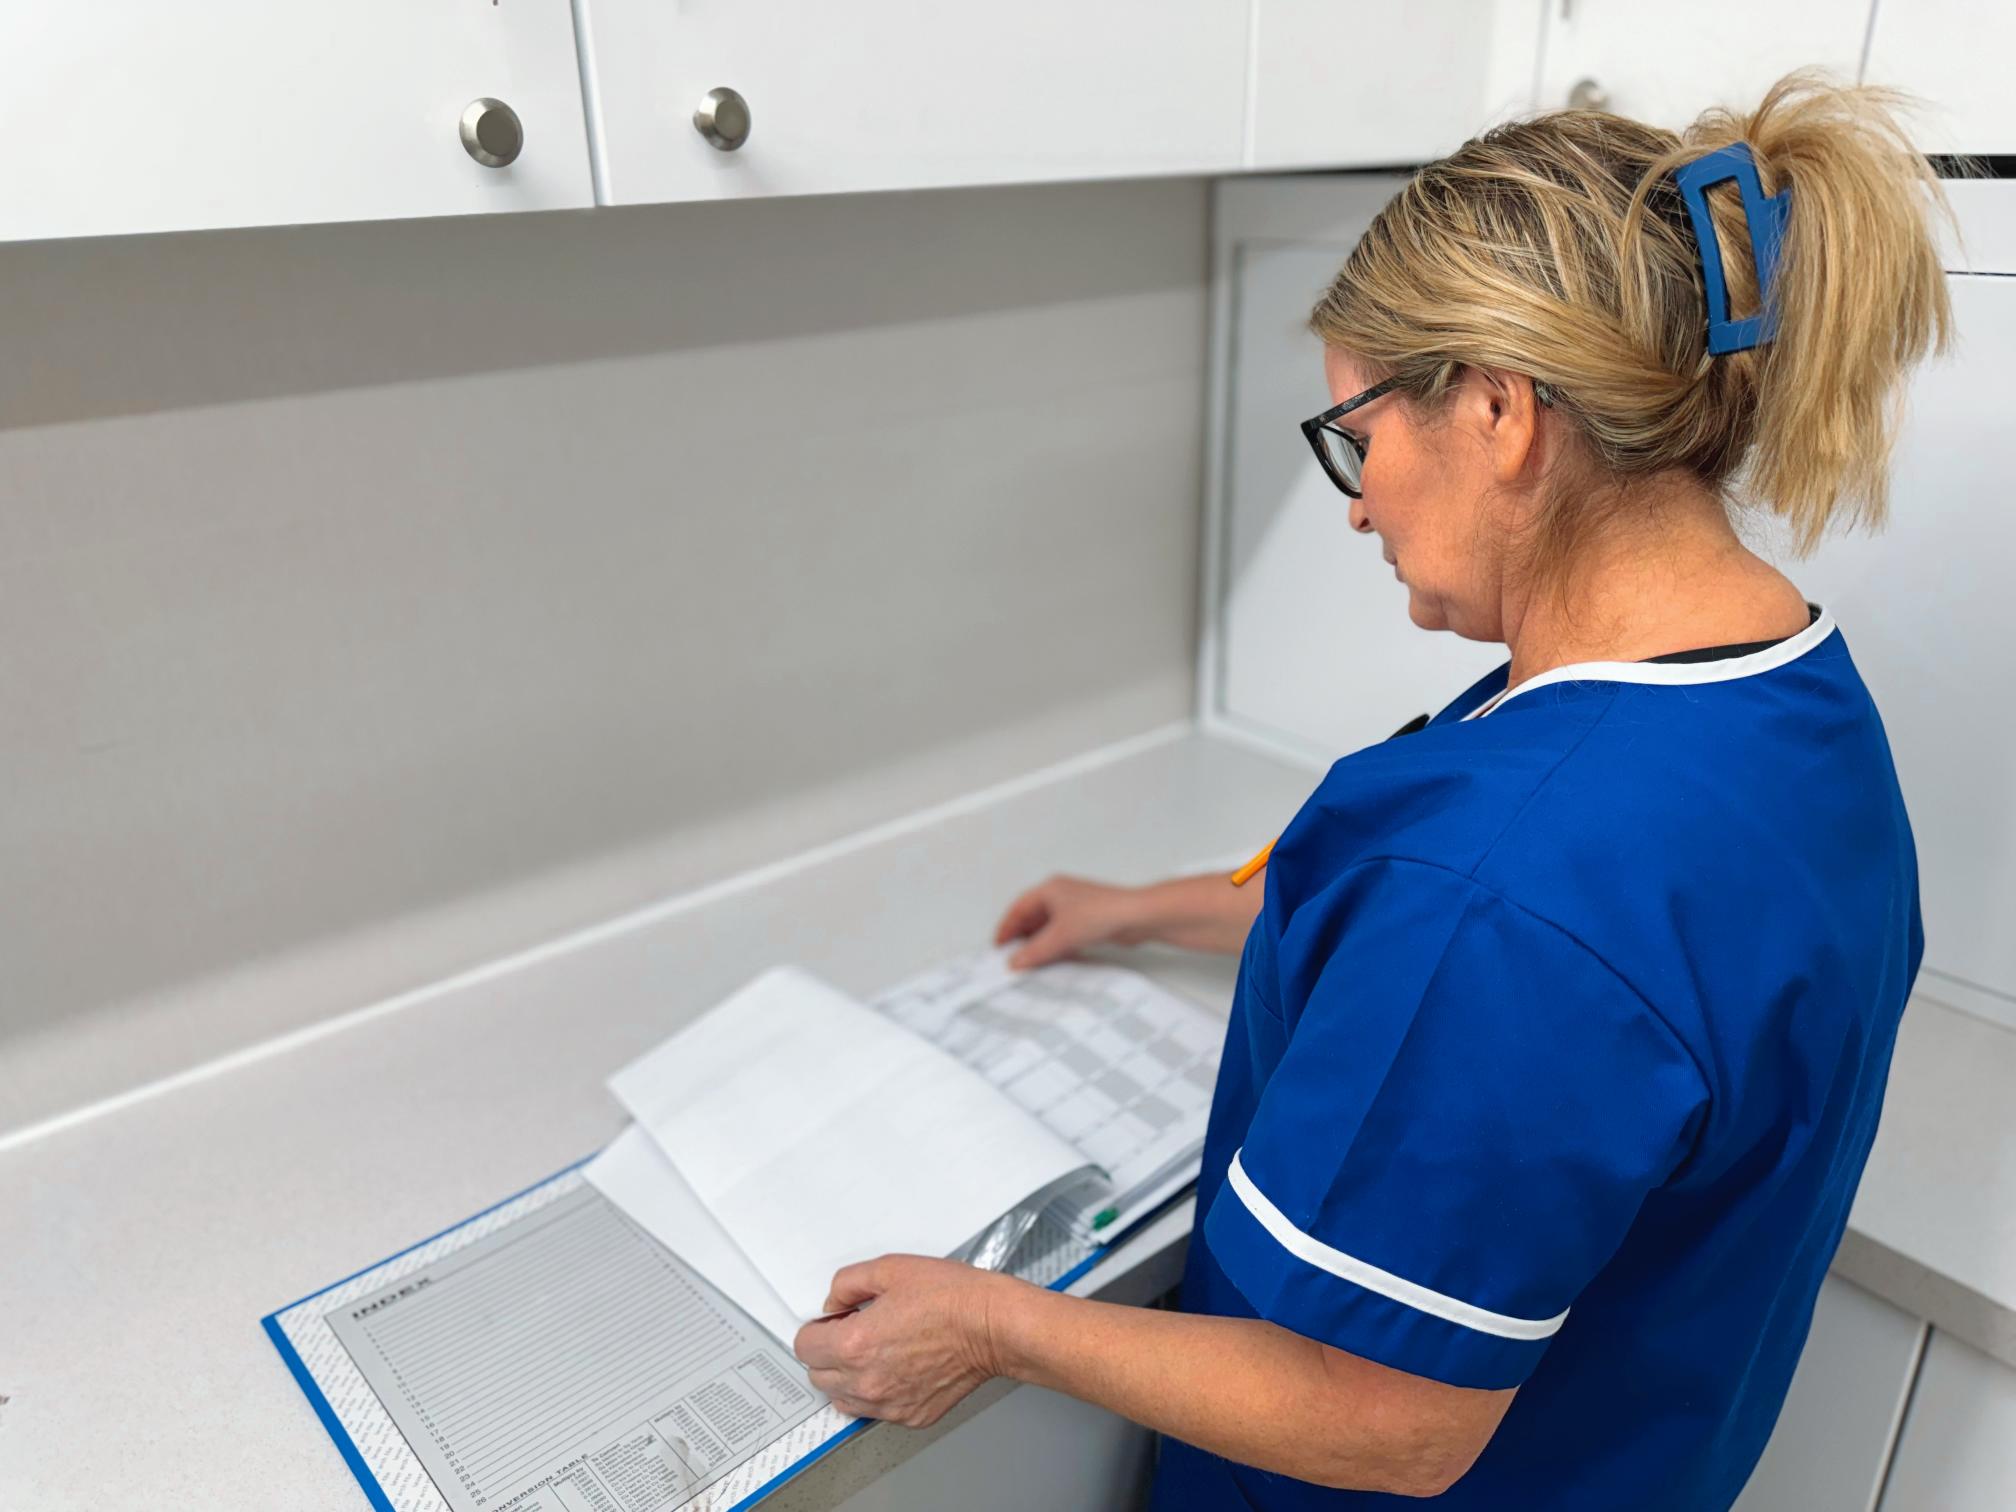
(492,133)
(723,119)
(1587,94)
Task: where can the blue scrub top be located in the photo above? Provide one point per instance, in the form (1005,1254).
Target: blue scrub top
(1558,1050)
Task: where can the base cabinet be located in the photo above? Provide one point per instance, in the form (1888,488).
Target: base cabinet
(1957,1452)
(1031,1449)
(1828,1451)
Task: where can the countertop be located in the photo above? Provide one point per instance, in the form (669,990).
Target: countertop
(143,1245)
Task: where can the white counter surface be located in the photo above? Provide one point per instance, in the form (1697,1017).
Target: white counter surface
(141,1247)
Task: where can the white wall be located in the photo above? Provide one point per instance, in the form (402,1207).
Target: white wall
(374,599)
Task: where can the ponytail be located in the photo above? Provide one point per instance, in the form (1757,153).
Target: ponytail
(1859,293)
(1562,248)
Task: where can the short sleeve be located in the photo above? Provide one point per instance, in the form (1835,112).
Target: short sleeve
(1469,1110)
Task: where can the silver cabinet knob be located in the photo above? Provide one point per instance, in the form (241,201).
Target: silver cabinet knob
(1587,94)
(492,133)
(723,119)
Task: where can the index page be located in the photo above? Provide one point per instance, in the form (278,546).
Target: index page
(568,1363)
(820,1133)
(543,1296)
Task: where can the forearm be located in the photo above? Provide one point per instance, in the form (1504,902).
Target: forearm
(1240,1388)
(1204,913)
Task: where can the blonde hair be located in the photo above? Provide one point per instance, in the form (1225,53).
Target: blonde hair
(1560,248)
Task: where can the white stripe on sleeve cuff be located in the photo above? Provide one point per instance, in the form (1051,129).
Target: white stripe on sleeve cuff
(1308,1248)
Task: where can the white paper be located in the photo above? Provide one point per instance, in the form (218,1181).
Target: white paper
(634,1174)
(819,1133)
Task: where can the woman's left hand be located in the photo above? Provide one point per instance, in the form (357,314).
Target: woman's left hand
(922,1337)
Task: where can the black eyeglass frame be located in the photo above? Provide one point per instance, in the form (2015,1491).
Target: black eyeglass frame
(1358,444)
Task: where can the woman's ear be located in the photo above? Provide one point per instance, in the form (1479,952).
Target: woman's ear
(1511,412)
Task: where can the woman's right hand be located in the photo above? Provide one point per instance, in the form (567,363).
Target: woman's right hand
(1066,915)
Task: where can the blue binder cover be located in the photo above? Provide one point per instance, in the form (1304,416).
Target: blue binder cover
(368,1351)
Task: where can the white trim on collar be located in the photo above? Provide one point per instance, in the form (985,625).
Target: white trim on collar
(1672,674)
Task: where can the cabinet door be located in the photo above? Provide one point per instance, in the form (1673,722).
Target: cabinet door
(908,94)
(1958,1449)
(133,115)
(1369,85)
(1833,1437)
(1666,63)
(1954,55)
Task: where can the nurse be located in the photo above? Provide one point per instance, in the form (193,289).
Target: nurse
(1562,1023)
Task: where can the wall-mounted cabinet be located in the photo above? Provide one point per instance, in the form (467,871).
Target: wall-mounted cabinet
(1383,85)
(891,94)
(1954,55)
(1665,63)
(130,115)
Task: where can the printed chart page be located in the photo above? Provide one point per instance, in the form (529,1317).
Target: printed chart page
(1102,1056)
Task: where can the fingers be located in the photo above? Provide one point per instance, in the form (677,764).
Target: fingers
(853,1285)
(902,1355)
(1066,915)
(1052,942)
(860,1400)
(1025,915)
(835,1370)
(832,1384)
(1036,919)
(819,1345)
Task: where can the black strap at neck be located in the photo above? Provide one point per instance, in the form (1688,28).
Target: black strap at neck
(1725,653)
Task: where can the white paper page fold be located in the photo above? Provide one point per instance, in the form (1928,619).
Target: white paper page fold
(820,1134)
(634,1174)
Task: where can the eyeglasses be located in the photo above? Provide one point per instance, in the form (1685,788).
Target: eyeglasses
(1342,453)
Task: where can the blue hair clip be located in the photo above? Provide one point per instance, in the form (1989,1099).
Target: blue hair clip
(1766,220)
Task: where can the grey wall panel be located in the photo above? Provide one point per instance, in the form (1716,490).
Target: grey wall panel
(348,574)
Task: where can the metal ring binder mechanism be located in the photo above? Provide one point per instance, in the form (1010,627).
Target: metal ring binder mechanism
(1765,216)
